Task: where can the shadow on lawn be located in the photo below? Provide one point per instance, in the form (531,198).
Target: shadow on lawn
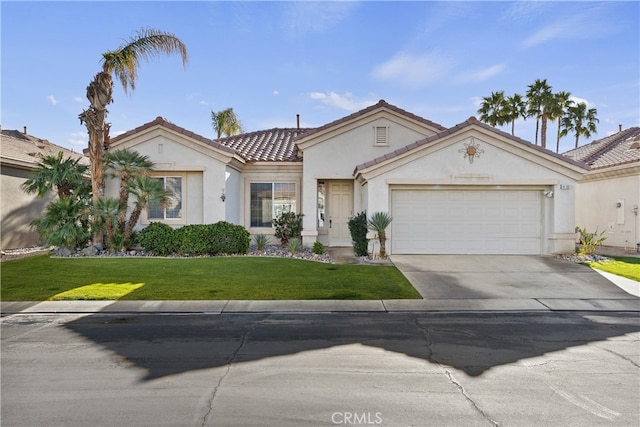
(473,343)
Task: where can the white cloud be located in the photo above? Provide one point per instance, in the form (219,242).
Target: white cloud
(344,102)
(577,100)
(413,69)
(203,102)
(78,99)
(276,92)
(481,75)
(52,100)
(78,139)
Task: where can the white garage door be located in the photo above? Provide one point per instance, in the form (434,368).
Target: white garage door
(466,222)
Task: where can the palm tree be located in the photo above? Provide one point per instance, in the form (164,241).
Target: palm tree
(126,165)
(378,222)
(147,191)
(64,223)
(580,121)
(516,107)
(493,109)
(559,109)
(226,122)
(67,176)
(538,99)
(105,213)
(123,63)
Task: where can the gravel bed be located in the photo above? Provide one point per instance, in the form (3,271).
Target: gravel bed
(583,258)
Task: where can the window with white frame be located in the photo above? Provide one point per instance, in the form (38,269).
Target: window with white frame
(268,200)
(173,209)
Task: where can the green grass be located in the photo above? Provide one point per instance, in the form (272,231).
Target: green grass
(628,267)
(44,278)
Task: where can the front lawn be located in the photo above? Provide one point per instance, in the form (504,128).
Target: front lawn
(628,267)
(237,278)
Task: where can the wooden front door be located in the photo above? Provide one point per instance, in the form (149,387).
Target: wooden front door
(340,211)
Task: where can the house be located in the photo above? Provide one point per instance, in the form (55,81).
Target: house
(608,195)
(19,155)
(466,189)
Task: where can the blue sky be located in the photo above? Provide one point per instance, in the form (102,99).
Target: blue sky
(272,60)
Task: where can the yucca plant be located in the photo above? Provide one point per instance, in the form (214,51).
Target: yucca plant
(261,241)
(378,222)
(294,245)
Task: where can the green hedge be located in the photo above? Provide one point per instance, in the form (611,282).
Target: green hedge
(198,239)
(358,230)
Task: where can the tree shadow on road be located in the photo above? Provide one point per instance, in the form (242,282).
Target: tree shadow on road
(473,342)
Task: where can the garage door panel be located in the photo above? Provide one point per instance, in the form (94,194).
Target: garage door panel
(466,221)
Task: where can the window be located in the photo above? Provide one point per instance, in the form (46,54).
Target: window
(173,209)
(322,193)
(269,200)
(381,135)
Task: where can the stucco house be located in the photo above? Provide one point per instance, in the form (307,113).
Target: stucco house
(608,195)
(19,155)
(466,189)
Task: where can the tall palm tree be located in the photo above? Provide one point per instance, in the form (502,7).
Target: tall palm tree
(147,191)
(123,63)
(538,99)
(226,122)
(516,107)
(67,176)
(378,222)
(126,165)
(559,109)
(580,121)
(493,109)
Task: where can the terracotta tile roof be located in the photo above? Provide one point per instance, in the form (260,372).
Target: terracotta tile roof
(381,103)
(470,121)
(615,150)
(25,150)
(276,145)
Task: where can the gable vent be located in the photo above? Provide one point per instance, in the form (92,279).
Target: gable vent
(381,135)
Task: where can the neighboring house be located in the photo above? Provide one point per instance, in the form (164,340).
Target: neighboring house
(608,195)
(467,189)
(19,155)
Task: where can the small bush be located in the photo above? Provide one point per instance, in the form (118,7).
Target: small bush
(261,241)
(294,245)
(589,242)
(318,248)
(358,229)
(212,239)
(288,226)
(159,238)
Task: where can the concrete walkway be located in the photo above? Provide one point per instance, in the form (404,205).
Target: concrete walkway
(451,283)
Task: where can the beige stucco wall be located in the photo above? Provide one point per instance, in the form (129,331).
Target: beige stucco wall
(18,209)
(598,196)
(335,156)
(203,171)
(500,166)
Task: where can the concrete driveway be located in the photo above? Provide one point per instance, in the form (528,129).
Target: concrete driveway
(543,278)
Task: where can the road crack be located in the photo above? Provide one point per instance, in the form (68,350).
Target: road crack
(464,393)
(214,392)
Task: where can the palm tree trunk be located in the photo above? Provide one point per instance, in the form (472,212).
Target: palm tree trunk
(543,131)
(383,240)
(135,215)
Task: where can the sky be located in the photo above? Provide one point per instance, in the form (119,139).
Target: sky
(271,60)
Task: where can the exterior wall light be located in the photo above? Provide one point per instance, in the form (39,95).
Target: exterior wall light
(548,194)
(223,197)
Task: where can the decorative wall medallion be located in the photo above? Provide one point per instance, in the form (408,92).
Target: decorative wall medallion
(471,150)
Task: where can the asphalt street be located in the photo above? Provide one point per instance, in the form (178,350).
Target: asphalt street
(321,369)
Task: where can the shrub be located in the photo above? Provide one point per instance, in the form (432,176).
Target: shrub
(159,238)
(288,226)
(379,222)
(318,248)
(261,241)
(63,223)
(358,230)
(589,241)
(212,239)
(294,245)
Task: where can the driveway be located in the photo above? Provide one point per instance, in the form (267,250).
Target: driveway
(543,278)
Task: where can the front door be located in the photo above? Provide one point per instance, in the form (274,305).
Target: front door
(340,211)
